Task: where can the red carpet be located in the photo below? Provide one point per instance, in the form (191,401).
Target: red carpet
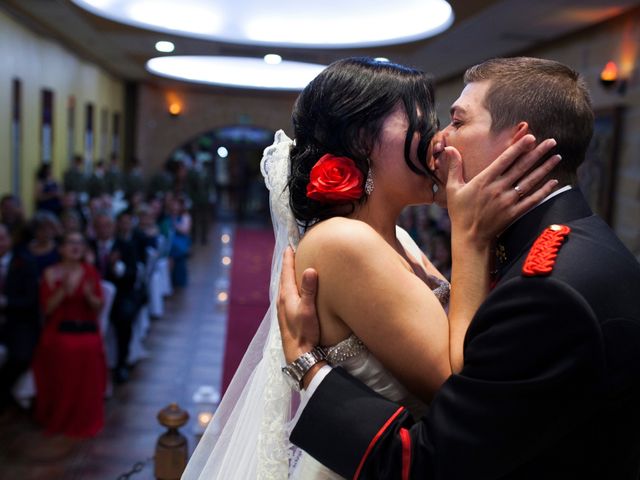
(249,294)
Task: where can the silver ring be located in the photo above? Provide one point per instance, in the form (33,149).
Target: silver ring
(519,191)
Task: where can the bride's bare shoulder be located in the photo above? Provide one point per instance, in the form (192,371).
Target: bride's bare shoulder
(338,234)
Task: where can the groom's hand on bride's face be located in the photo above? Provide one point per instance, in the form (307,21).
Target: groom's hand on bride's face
(297,316)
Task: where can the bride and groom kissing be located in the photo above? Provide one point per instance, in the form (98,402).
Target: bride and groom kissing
(533,373)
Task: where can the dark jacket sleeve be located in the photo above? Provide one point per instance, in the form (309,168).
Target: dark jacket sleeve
(22,285)
(534,362)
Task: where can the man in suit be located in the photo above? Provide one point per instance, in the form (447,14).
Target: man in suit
(19,314)
(116,260)
(550,384)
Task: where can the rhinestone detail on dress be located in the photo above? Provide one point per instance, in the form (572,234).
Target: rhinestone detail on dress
(442,292)
(347,348)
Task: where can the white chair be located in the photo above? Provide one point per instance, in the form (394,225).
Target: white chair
(165,276)
(108,334)
(141,324)
(24,390)
(106,329)
(156,297)
(139,332)
(155,287)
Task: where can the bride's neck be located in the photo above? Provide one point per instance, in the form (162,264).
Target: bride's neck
(381,216)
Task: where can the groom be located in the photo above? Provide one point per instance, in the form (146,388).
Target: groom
(550,387)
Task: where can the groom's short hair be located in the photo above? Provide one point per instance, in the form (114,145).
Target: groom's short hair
(551,97)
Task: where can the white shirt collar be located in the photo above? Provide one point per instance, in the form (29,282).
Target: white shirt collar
(545,199)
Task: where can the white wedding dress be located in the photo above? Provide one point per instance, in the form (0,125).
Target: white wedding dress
(248,438)
(352,355)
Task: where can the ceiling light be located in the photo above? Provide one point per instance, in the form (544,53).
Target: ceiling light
(223,153)
(236,71)
(165,47)
(292,23)
(272,59)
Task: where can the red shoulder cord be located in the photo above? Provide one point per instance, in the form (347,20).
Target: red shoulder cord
(543,253)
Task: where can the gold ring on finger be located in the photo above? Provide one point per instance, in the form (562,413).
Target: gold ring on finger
(519,191)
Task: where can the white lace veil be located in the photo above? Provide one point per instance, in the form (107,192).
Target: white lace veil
(248,436)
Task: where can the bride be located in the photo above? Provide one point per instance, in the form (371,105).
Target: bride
(363,151)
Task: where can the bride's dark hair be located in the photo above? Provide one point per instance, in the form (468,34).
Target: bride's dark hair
(342,111)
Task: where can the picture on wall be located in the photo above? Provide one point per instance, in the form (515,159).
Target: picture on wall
(597,175)
(88,137)
(16,134)
(46,136)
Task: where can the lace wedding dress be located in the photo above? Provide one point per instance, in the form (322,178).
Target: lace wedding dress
(248,437)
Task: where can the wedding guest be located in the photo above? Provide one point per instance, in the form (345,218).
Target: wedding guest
(198,188)
(133,180)
(180,225)
(47,190)
(75,179)
(147,230)
(71,221)
(116,261)
(44,247)
(113,177)
(12,216)
(97,185)
(69,365)
(19,316)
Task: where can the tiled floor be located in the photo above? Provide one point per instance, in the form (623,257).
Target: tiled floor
(186,351)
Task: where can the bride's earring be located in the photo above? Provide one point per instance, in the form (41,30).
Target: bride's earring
(368,184)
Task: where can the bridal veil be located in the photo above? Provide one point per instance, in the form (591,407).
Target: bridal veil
(248,436)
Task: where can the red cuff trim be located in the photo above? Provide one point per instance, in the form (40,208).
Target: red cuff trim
(375,440)
(406,453)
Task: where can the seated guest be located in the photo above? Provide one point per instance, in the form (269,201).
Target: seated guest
(12,216)
(180,225)
(126,230)
(71,203)
(47,190)
(69,365)
(71,221)
(75,178)
(116,261)
(96,184)
(19,316)
(147,228)
(44,248)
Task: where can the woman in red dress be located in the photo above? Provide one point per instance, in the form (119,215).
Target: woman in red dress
(69,364)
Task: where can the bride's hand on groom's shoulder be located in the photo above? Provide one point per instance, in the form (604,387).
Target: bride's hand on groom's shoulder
(485,205)
(297,317)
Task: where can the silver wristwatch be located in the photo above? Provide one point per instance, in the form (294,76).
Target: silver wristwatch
(295,371)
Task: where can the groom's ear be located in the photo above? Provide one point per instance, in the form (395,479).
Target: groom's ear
(519,131)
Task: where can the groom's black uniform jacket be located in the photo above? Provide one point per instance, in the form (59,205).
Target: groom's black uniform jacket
(550,387)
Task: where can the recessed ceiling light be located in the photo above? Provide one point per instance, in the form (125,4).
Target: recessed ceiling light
(165,46)
(272,59)
(291,23)
(236,71)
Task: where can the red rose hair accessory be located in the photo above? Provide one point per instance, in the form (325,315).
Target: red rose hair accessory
(335,179)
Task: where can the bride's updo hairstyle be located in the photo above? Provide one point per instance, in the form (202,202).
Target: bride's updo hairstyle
(341,112)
